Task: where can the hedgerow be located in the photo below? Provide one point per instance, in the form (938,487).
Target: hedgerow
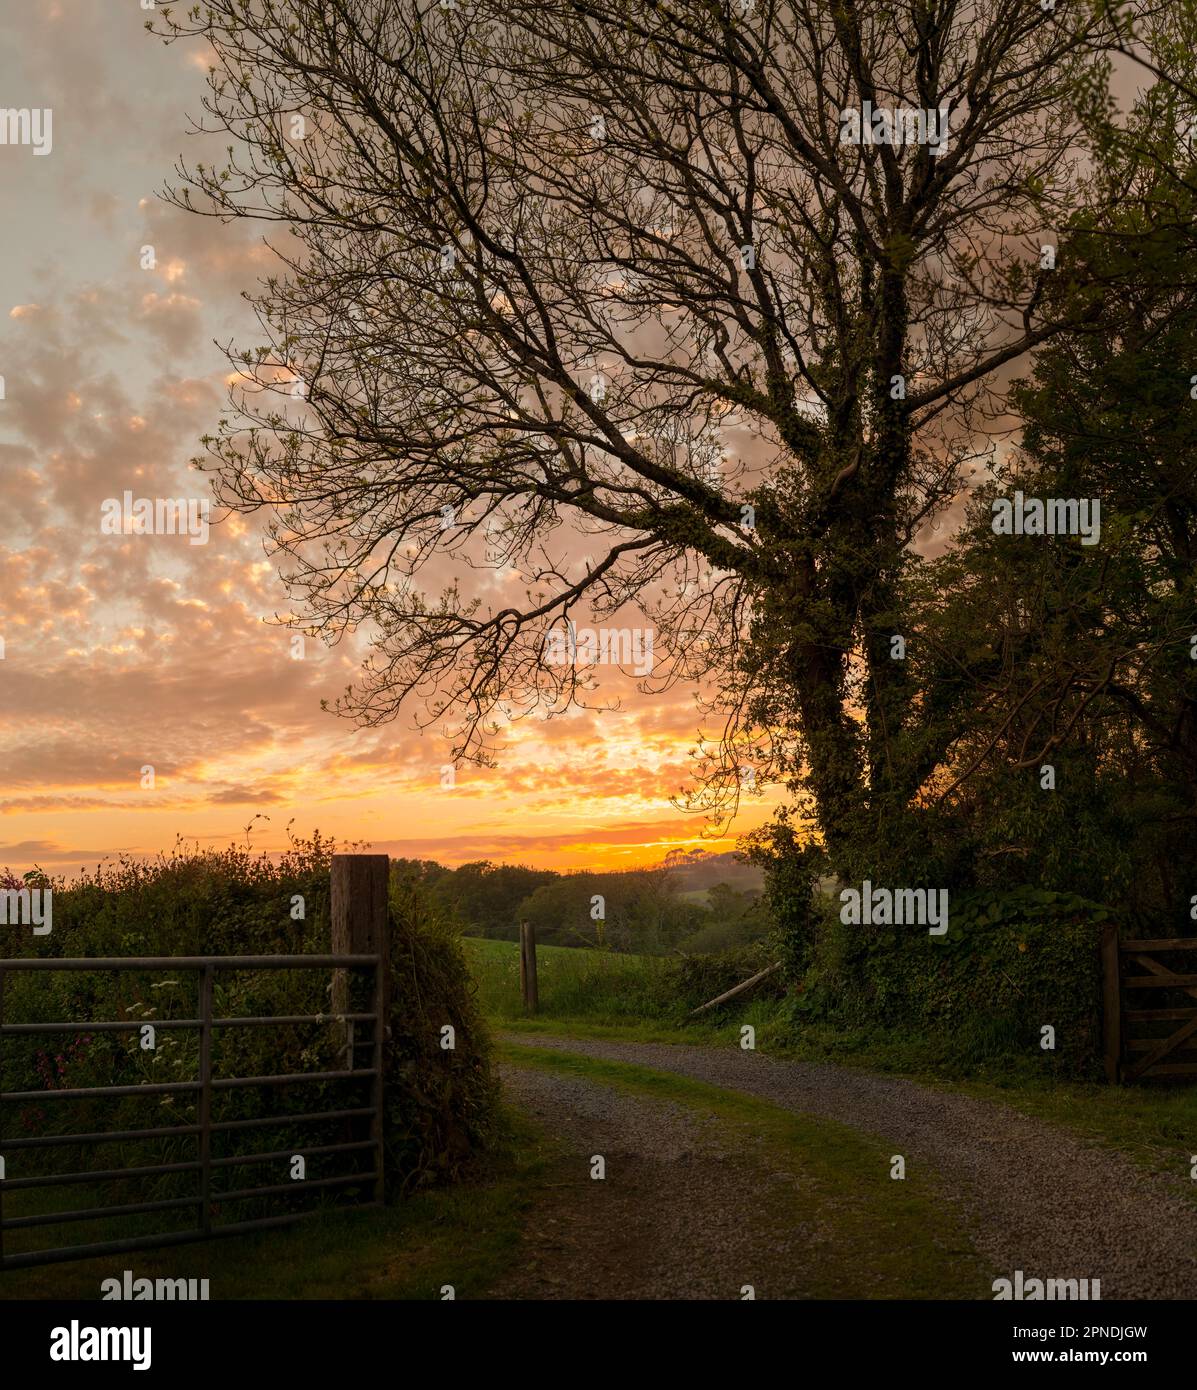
(440,1103)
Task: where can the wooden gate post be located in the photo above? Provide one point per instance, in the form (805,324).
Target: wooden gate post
(358,885)
(1111,1003)
(361,927)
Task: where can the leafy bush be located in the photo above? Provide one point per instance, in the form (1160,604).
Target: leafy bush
(693,980)
(440,1104)
(1010,963)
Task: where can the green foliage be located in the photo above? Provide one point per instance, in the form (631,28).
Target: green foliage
(1010,963)
(732,919)
(440,1104)
(1081,655)
(484,897)
(641,908)
(646,910)
(696,980)
(791,867)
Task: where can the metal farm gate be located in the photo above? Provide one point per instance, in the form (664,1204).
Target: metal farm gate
(364,920)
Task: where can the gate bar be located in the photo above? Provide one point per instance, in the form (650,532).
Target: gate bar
(346,962)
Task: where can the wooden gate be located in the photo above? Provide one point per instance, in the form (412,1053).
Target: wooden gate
(1150,1007)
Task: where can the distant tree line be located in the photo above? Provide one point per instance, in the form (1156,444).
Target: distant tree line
(650,910)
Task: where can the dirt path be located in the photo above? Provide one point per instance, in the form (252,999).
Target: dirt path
(675,1216)
(1033,1197)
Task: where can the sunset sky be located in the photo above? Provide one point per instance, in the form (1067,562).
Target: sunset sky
(123,651)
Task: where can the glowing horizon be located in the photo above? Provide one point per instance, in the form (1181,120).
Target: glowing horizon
(124,651)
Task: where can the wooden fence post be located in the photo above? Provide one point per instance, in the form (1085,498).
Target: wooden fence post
(528,983)
(1111,1003)
(361,927)
(533,980)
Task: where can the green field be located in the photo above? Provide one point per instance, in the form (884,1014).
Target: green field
(574,983)
(600,994)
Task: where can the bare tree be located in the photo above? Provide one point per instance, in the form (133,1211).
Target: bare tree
(540,264)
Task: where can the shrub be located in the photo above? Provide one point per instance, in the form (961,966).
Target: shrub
(440,1104)
(693,980)
(1010,963)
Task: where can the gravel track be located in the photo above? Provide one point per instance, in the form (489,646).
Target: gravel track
(1033,1196)
(679,1213)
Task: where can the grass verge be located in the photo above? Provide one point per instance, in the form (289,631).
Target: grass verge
(465,1235)
(612,997)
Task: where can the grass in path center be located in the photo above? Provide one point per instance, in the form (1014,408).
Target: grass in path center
(878,1237)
